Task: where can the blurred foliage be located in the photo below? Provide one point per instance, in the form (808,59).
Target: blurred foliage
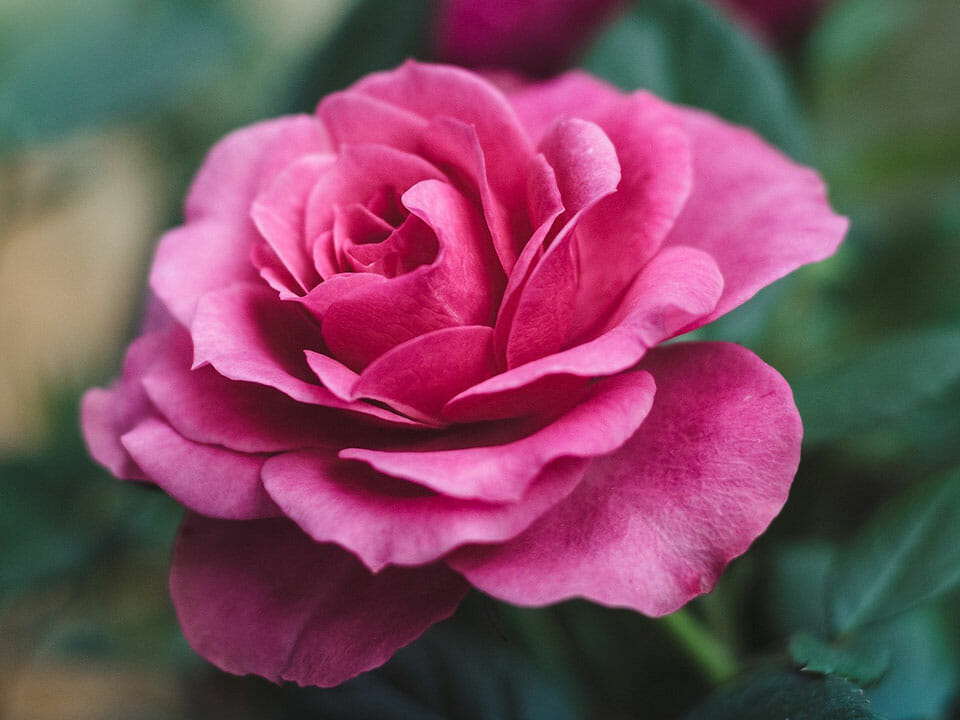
(856,581)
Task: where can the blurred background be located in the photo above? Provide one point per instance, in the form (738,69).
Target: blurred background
(106,109)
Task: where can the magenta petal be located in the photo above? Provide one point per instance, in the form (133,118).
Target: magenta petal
(459,288)
(106,414)
(754,210)
(655,523)
(419,376)
(609,414)
(670,295)
(352,118)
(196,258)
(631,224)
(278,213)
(574,94)
(205,478)
(386,521)
(245,162)
(261,597)
(246,333)
(205,407)
(358,172)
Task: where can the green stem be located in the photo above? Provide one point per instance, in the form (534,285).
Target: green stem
(715,659)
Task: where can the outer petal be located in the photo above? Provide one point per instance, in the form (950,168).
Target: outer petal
(494,470)
(106,414)
(755,211)
(389,522)
(675,289)
(654,524)
(261,597)
(207,479)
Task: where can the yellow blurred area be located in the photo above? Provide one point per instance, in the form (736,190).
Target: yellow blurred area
(78,219)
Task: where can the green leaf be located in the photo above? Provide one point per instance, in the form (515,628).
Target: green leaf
(816,656)
(376,35)
(880,383)
(448,674)
(924,671)
(773,694)
(686,52)
(908,553)
(103,61)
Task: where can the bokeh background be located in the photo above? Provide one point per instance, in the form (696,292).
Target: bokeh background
(106,109)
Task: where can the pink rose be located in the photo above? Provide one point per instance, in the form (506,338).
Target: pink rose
(409,344)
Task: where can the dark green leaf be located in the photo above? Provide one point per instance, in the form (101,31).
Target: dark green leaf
(686,52)
(880,383)
(448,675)
(772,694)
(909,552)
(797,590)
(105,60)
(924,670)
(816,656)
(376,35)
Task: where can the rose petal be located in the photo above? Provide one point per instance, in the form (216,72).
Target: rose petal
(459,288)
(754,210)
(358,172)
(677,288)
(279,211)
(539,105)
(207,479)
(261,597)
(386,521)
(655,523)
(245,162)
(419,376)
(602,421)
(106,414)
(631,224)
(206,407)
(585,165)
(246,333)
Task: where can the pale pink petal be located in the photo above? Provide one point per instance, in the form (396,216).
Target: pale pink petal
(278,213)
(101,435)
(759,214)
(261,597)
(624,230)
(675,289)
(246,333)
(419,376)
(502,471)
(459,288)
(205,478)
(333,374)
(655,523)
(387,521)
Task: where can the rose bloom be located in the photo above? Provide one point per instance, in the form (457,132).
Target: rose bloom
(414,343)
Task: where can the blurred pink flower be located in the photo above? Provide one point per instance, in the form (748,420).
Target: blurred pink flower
(412,343)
